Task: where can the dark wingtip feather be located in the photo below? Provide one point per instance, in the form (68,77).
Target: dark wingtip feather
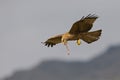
(48,44)
(92,16)
(100,32)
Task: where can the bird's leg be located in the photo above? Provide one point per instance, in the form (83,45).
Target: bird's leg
(78,42)
(65,43)
(68,51)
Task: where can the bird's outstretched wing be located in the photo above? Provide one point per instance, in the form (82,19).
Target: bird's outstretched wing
(83,25)
(53,41)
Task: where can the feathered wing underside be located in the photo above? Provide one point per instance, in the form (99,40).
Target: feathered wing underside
(90,37)
(53,40)
(83,25)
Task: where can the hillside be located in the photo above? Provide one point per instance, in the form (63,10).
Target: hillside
(104,67)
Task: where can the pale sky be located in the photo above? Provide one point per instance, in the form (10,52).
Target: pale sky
(24,24)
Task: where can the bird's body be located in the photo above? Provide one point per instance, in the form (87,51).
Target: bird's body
(78,31)
(67,36)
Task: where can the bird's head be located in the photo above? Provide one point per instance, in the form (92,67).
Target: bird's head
(64,41)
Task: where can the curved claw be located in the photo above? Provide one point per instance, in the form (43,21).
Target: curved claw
(78,42)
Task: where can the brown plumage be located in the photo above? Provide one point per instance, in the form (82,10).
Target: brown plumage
(79,30)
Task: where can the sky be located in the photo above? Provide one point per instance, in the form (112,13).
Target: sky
(24,24)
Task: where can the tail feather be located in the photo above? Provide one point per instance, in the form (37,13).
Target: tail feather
(90,37)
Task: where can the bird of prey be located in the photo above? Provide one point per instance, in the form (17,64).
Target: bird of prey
(79,31)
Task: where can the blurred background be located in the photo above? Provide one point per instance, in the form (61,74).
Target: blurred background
(24,24)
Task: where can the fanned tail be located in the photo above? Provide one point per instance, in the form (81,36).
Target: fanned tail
(90,37)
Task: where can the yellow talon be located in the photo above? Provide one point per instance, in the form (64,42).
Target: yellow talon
(78,42)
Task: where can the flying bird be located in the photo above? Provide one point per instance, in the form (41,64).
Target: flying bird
(79,31)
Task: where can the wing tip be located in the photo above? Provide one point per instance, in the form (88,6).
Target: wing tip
(92,16)
(100,32)
(48,44)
